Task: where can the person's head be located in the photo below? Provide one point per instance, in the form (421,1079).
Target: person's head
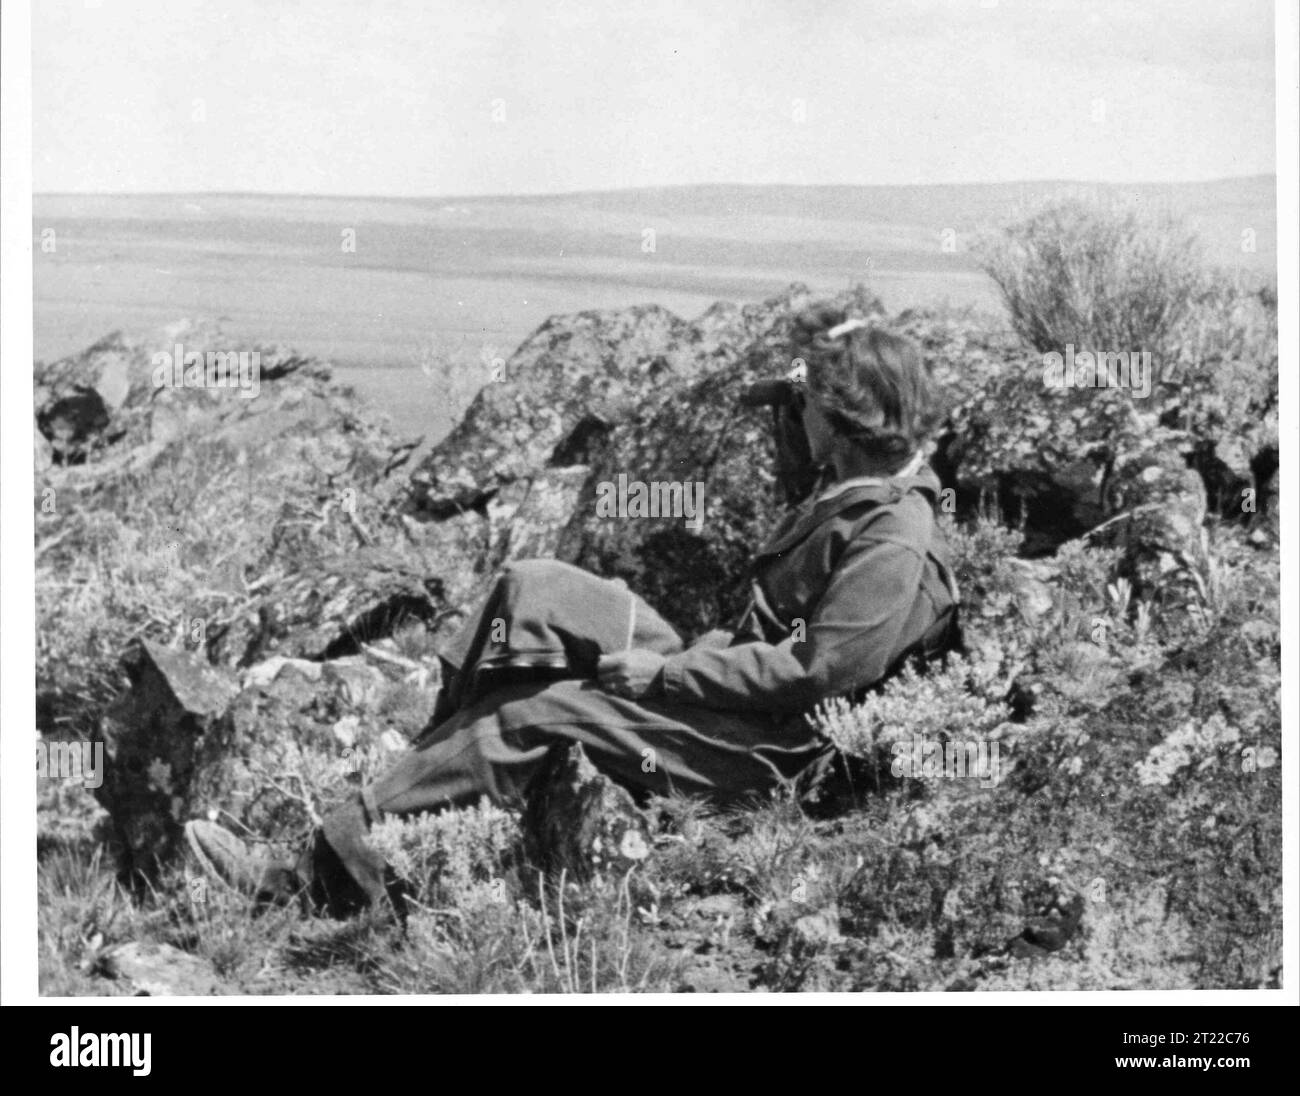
(866,398)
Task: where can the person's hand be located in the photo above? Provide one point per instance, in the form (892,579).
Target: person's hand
(630,673)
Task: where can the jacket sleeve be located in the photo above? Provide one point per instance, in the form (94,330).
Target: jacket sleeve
(851,639)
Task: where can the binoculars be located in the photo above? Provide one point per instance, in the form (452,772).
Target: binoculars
(795,472)
(779,394)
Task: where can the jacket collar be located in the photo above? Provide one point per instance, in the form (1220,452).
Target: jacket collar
(908,471)
(840,497)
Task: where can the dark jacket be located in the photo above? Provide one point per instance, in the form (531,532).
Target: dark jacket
(847,588)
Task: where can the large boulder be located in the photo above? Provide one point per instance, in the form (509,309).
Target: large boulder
(505,481)
(698,434)
(106,395)
(568,383)
(1040,454)
(78,398)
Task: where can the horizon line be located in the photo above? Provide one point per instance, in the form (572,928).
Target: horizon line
(589,192)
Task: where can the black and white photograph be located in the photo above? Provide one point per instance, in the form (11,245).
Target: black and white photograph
(741,499)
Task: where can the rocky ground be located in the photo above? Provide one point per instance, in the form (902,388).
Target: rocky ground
(241,598)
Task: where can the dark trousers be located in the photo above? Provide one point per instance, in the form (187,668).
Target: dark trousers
(494,744)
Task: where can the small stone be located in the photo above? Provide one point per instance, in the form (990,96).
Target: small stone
(818,930)
(345,731)
(159,970)
(719,905)
(393,742)
(265,673)
(356,682)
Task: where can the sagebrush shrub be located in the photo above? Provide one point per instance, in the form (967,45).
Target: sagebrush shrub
(956,699)
(1096,277)
(451,855)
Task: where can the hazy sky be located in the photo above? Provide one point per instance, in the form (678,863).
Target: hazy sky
(494,96)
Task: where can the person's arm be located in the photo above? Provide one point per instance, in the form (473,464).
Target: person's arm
(853,636)
(718,637)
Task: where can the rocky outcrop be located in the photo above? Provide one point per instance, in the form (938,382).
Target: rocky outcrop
(78,399)
(586,400)
(332,568)
(1059,462)
(673,415)
(106,396)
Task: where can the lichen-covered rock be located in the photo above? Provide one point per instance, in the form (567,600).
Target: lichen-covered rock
(526,519)
(567,384)
(103,403)
(1159,505)
(1048,456)
(964,352)
(1041,454)
(77,398)
(579,821)
(107,395)
(1045,454)
(699,434)
(286,750)
(156,737)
